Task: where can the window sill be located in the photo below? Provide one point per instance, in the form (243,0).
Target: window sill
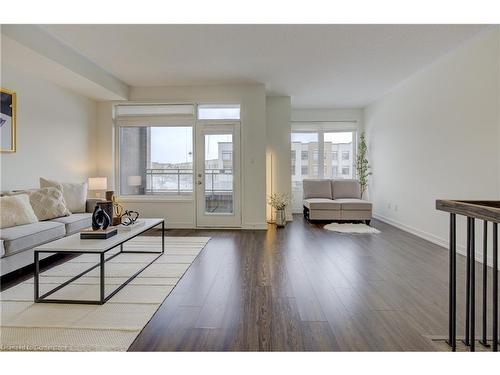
(154,199)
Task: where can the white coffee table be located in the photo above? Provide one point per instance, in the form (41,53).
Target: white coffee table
(74,245)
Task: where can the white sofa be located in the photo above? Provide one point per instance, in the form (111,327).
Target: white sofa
(335,200)
(17,243)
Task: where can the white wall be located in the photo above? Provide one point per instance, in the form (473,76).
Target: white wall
(437,136)
(253,136)
(55,133)
(278,149)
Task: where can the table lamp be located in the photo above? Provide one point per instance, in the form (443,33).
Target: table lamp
(98,184)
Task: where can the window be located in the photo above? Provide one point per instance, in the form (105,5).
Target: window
(219,112)
(227,156)
(345,155)
(319,151)
(156,160)
(293,162)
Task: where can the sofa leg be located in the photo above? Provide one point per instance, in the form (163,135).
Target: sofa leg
(306,213)
(367,222)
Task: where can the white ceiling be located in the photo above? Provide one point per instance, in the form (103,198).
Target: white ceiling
(317,65)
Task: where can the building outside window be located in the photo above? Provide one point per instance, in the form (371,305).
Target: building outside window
(159,159)
(332,145)
(345,155)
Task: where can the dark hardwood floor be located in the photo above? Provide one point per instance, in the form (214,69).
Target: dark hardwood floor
(303,288)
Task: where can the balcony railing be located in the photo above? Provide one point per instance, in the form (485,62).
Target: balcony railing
(180,181)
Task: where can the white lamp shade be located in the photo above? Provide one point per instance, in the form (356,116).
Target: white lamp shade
(98,183)
(134,180)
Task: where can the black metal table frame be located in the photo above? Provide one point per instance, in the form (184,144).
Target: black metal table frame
(103,298)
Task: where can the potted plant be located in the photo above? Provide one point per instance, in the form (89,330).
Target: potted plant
(362,166)
(279,201)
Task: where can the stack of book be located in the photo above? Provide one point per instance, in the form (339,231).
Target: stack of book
(99,234)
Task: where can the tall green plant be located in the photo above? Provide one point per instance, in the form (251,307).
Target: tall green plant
(362,166)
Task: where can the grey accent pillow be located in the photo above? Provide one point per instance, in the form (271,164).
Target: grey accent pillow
(346,189)
(48,203)
(75,194)
(317,189)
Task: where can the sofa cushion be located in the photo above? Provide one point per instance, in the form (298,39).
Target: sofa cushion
(16,210)
(317,189)
(48,203)
(321,204)
(346,189)
(23,237)
(75,194)
(350,204)
(75,222)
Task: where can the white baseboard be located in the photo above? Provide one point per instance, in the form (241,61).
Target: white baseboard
(461,249)
(256,226)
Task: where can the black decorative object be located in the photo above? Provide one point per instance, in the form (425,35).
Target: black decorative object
(129,217)
(100,219)
(107,206)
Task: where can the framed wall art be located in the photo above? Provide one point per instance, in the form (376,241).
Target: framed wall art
(7,121)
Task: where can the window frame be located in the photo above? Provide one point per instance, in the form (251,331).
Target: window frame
(150,121)
(320,128)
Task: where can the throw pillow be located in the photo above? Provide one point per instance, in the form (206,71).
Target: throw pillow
(16,210)
(48,203)
(75,194)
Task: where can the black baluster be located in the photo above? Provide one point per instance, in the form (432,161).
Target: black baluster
(484,340)
(452,319)
(495,287)
(467,285)
(472,337)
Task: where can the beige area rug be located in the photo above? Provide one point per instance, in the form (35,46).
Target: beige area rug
(25,325)
(350,228)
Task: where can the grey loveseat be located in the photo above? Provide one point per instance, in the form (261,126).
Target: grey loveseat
(17,243)
(335,200)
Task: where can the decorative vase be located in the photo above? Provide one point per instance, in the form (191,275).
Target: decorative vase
(280,217)
(100,219)
(107,206)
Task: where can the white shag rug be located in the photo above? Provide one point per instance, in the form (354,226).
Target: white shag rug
(25,325)
(350,228)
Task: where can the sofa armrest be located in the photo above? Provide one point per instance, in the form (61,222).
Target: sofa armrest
(91,202)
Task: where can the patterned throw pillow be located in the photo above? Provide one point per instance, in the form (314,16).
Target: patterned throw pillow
(75,194)
(48,203)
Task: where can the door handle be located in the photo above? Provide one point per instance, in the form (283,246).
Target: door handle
(199,175)
(199,182)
